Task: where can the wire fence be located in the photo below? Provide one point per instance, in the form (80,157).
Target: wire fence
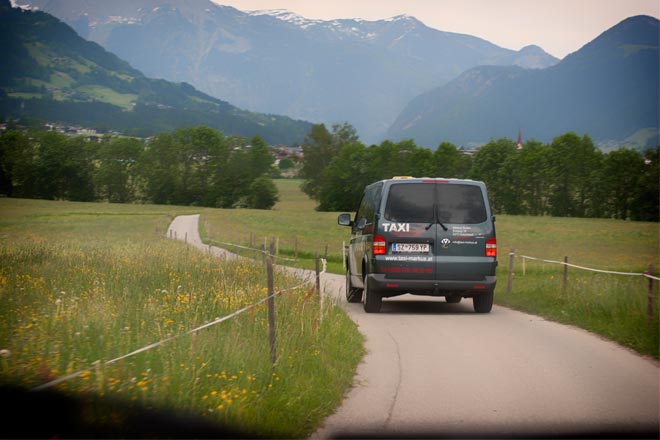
(272,293)
(261,250)
(648,274)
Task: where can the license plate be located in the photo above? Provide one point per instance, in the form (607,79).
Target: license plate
(410,247)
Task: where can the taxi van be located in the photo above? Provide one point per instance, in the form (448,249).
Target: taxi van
(422,236)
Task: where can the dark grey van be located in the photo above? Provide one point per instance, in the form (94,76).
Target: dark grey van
(423,236)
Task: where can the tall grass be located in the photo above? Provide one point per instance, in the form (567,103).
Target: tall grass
(613,306)
(82,285)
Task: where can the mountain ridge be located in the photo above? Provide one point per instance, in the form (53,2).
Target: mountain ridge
(607,89)
(54,75)
(331,71)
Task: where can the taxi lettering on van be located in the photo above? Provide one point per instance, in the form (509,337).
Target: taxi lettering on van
(396,227)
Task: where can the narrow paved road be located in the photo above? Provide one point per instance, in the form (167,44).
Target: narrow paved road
(440,370)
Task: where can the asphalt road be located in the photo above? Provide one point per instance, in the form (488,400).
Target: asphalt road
(440,370)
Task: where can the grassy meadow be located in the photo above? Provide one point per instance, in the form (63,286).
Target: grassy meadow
(611,305)
(84,284)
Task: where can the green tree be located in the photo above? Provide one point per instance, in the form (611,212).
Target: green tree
(262,193)
(116,176)
(259,160)
(621,182)
(63,168)
(319,148)
(449,162)
(187,167)
(201,155)
(574,170)
(531,165)
(17,164)
(286,164)
(245,165)
(344,179)
(420,163)
(645,204)
(391,159)
(487,166)
(158,166)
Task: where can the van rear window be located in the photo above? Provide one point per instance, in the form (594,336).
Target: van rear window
(454,203)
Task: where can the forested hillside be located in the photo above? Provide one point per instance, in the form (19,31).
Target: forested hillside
(49,73)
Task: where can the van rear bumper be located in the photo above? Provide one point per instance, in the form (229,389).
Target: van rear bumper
(392,287)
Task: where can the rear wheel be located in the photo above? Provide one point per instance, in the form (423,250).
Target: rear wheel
(372,299)
(353,295)
(483,303)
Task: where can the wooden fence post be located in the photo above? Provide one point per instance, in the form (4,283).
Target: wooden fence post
(649,307)
(564,286)
(318,276)
(318,286)
(509,284)
(271,307)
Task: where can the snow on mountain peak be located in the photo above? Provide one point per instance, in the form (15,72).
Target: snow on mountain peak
(285,15)
(346,26)
(25,7)
(400,17)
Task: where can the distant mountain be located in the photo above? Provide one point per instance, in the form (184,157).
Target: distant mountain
(356,71)
(608,89)
(50,73)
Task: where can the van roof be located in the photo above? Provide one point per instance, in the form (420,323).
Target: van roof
(434,179)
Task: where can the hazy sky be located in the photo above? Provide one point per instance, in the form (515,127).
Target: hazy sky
(558,26)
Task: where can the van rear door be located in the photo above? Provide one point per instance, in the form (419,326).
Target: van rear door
(462,227)
(408,228)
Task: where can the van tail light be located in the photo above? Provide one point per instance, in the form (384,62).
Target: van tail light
(380,245)
(491,247)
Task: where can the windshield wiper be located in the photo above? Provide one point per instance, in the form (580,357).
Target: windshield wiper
(436,221)
(436,217)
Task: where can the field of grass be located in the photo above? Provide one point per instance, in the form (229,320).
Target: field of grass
(293,222)
(610,305)
(83,284)
(105,94)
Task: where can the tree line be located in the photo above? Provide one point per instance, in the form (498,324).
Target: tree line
(200,166)
(189,166)
(569,176)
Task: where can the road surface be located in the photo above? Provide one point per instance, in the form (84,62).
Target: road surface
(434,369)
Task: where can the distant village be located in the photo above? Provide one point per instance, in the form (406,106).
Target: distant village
(279,152)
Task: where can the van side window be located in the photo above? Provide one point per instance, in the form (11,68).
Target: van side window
(369,202)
